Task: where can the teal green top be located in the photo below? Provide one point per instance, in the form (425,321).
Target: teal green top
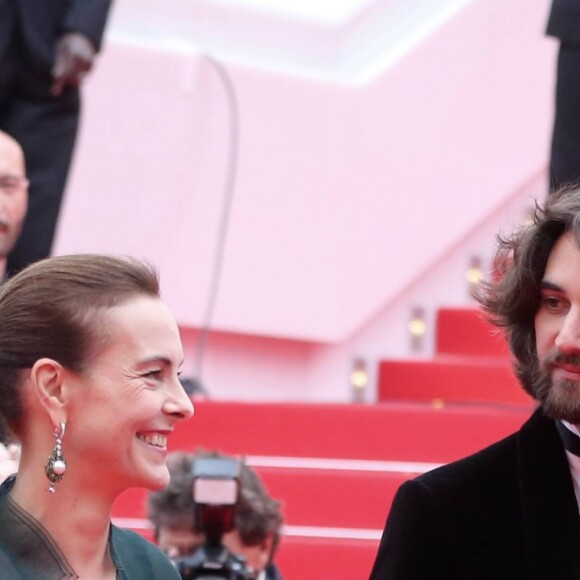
(27,552)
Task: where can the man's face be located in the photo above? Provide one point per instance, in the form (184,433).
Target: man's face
(557,326)
(13,193)
(180,541)
(257,556)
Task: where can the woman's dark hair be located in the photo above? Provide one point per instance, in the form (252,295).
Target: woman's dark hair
(513,300)
(51,308)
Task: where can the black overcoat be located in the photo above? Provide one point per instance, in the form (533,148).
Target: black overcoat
(506,513)
(564,21)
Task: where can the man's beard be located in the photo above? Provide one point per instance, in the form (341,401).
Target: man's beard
(559,398)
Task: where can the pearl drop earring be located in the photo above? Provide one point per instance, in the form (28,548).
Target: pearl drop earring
(55,466)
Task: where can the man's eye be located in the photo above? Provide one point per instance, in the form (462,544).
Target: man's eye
(8,186)
(553,302)
(153,374)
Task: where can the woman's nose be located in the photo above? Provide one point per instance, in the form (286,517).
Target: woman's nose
(178,402)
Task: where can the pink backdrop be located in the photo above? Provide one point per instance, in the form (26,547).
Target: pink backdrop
(354,200)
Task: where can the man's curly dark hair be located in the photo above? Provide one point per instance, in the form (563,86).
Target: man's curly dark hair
(513,300)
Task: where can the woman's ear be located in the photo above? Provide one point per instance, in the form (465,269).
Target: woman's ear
(47,383)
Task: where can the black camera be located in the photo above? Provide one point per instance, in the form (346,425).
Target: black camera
(215,493)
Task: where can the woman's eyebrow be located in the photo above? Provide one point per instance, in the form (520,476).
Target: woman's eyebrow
(159,359)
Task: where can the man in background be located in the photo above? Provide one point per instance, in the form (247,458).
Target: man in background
(13,195)
(46,49)
(257,519)
(564,24)
(13,202)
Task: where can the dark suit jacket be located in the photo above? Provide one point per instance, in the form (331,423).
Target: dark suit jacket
(42,22)
(272,572)
(506,513)
(564,21)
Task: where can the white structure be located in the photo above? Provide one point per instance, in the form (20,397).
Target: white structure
(380,147)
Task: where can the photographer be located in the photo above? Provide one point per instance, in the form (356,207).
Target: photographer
(257,517)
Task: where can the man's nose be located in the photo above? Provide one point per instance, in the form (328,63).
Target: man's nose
(568,338)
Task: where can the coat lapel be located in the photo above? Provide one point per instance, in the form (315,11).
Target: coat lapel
(551,523)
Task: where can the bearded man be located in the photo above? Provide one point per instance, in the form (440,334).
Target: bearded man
(511,511)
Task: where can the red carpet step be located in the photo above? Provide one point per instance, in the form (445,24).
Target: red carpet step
(394,431)
(318,498)
(459,379)
(464,331)
(335,468)
(472,364)
(326,559)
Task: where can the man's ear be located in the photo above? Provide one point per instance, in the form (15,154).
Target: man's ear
(47,382)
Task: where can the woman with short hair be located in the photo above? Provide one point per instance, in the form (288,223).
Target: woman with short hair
(89,360)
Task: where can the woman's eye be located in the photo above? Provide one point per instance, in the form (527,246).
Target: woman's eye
(153,374)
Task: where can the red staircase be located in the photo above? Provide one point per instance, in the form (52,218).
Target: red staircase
(334,467)
(471,365)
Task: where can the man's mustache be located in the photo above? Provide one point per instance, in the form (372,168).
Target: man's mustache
(556,357)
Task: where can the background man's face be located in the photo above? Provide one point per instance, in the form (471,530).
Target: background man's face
(179,542)
(13,193)
(256,556)
(557,326)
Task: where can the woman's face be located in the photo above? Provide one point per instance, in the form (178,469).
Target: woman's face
(125,405)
